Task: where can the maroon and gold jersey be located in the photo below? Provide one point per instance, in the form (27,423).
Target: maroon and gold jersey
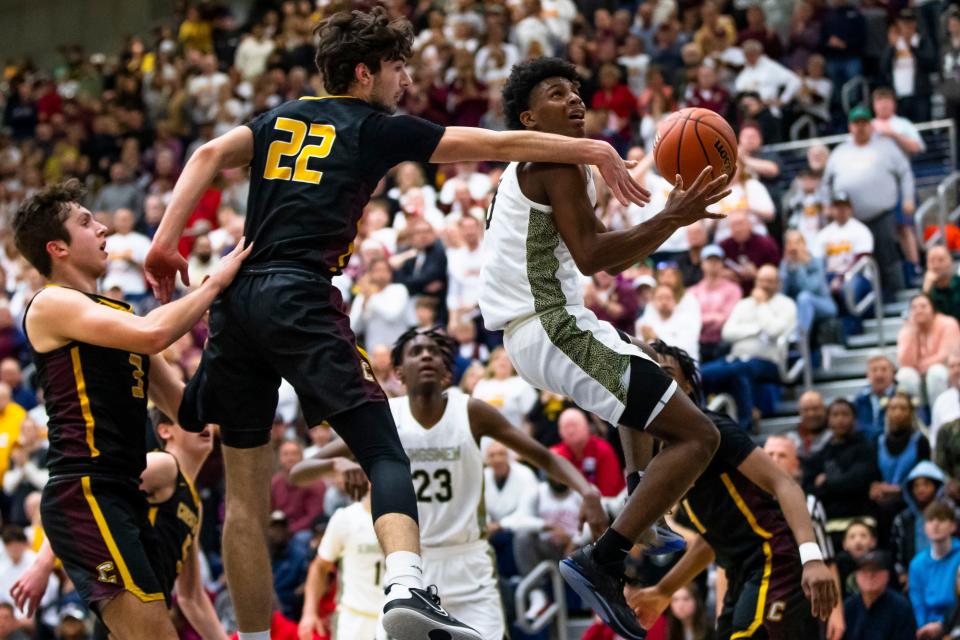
(96,400)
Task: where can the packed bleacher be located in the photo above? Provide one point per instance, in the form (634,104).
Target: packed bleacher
(740,295)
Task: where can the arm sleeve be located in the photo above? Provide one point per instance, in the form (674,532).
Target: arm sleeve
(742,323)
(903,170)
(390,304)
(389,140)
(916,595)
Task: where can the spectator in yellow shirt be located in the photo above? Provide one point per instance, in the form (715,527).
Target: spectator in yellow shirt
(195,32)
(11,415)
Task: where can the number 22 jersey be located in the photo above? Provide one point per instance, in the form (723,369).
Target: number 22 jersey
(447,471)
(315,163)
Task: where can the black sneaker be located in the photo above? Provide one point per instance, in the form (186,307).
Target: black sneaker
(601,589)
(420,617)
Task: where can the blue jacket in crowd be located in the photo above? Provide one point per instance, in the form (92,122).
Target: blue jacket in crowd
(933,584)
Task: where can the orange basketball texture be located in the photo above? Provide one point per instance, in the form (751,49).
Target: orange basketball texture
(691,139)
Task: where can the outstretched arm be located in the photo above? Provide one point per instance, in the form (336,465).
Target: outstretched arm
(60,315)
(469,143)
(818,583)
(193,600)
(232,149)
(649,602)
(595,250)
(487,421)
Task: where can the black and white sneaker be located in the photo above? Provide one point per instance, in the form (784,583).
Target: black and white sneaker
(421,617)
(601,589)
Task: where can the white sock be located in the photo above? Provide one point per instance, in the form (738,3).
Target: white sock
(404,571)
(254,635)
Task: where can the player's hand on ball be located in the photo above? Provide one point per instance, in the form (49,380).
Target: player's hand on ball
(647,602)
(230,265)
(161,267)
(687,205)
(820,589)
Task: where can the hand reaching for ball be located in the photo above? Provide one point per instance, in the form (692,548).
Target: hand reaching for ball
(686,206)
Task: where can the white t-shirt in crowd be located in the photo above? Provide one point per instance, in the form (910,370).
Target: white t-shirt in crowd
(502,502)
(659,191)
(513,397)
(946,408)
(750,196)
(463,269)
(120,272)
(676,331)
(839,245)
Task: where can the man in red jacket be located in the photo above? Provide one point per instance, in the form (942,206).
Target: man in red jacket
(593,456)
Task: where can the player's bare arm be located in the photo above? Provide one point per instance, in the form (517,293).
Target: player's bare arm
(469,143)
(60,315)
(166,386)
(649,602)
(29,588)
(192,598)
(594,250)
(315,587)
(333,460)
(487,421)
(818,584)
(163,262)
(159,479)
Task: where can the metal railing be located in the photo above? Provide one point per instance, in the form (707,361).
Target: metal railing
(853,92)
(803,365)
(557,609)
(939,207)
(871,272)
(930,166)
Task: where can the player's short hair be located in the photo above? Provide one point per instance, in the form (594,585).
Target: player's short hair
(687,365)
(448,345)
(158,418)
(41,219)
(349,38)
(939,510)
(524,77)
(13,533)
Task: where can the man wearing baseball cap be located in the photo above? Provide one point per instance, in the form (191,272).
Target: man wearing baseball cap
(717,296)
(876,176)
(877,612)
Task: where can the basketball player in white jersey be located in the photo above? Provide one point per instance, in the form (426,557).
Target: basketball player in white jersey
(542,233)
(349,538)
(440,429)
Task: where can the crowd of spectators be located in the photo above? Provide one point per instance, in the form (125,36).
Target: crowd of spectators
(736,295)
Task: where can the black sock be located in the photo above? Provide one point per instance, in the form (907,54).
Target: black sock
(612,547)
(633,481)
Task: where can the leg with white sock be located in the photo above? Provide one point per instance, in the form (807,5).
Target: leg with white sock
(410,611)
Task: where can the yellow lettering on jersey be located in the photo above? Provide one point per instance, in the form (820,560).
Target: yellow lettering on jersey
(137,362)
(294,147)
(775,613)
(186,515)
(105,573)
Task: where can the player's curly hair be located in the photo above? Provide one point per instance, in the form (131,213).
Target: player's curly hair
(349,38)
(527,75)
(41,219)
(687,365)
(448,345)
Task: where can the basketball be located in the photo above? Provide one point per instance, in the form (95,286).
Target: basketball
(691,139)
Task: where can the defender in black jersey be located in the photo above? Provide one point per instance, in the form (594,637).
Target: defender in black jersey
(174,513)
(750,516)
(314,164)
(97,366)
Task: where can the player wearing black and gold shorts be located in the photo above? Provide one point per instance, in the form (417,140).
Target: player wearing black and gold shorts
(93,512)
